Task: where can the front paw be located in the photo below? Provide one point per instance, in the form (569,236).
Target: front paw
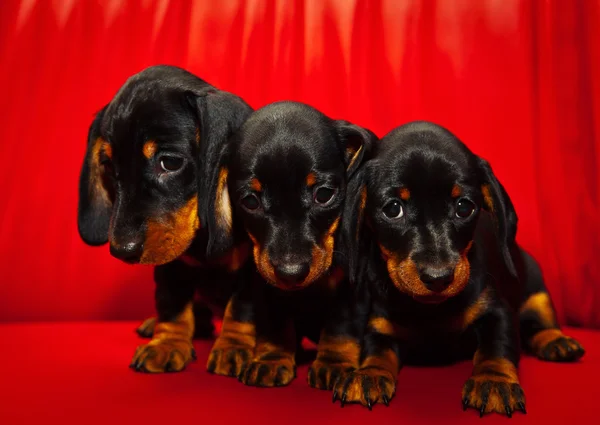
(552,345)
(165,355)
(493,394)
(271,370)
(323,375)
(228,361)
(366,386)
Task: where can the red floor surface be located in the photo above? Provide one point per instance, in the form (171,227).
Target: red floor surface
(78,374)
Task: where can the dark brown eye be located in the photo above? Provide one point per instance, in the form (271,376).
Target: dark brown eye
(171,163)
(250,202)
(393,209)
(323,195)
(464,208)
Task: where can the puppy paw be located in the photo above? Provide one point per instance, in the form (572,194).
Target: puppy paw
(228,361)
(554,346)
(487,393)
(323,375)
(146,329)
(367,386)
(165,355)
(270,370)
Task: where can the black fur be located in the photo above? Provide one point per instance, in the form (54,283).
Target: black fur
(281,157)
(94,210)
(124,190)
(439,175)
(280,145)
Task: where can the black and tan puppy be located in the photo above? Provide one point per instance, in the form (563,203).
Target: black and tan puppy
(288,177)
(446,277)
(152,185)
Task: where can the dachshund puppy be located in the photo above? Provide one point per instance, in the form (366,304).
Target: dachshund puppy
(152,185)
(288,176)
(446,278)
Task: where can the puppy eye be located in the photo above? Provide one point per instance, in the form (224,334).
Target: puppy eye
(464,208)
(393,209)
(323,195)
(171,163)
(251,202)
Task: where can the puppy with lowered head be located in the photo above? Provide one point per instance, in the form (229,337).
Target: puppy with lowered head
(152,186)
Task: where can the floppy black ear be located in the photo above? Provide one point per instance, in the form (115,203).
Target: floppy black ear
(95,201)
(220,114)
(497,202)
(356,142)
(353,217)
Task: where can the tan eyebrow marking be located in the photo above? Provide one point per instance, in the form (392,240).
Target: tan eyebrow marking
(149,148)
(255,185)
(311,179)
(456,191)
(404,194)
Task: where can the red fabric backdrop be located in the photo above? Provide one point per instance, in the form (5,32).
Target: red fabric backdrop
(514,79)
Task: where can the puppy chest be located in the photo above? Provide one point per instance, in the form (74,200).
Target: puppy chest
(431,343)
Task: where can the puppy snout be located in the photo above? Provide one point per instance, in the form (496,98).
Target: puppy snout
(291,273)
(130,252)
(436,279)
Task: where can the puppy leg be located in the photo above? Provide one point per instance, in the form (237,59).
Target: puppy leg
(494,384)
(338,351)
(375,380)
(540,333)
(274,363)
(337,355)
(170,349)
(234,347)
(203,324)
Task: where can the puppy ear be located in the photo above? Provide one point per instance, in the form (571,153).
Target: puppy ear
(497,202)
(219,114)
(356,143)
(95,193)
(353,217)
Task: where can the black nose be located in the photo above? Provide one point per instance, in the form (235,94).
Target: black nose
(130,252)
(436,279)
(291,273)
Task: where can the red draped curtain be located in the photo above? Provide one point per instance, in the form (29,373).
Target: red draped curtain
(516,80)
